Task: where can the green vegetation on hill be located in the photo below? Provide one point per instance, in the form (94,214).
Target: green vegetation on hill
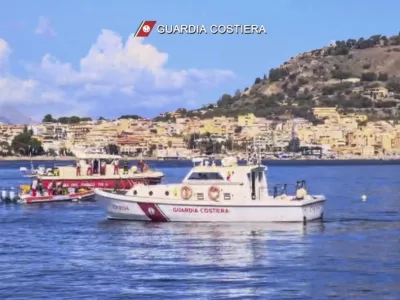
(64,120)
(25,144)
(343,75)
(135,117)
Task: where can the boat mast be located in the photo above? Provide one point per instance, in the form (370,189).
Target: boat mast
(30,158)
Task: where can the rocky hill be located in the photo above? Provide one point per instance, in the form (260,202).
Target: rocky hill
(355,75)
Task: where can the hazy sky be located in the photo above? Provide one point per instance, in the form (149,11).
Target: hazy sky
(79,57)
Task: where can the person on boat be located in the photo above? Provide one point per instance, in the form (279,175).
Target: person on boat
(40,187)
(126,167)
(89,169)
(58,190)
(103,168)
(34,187)
(63,189)
(301,192)
(95,166)
(116,167)
(78,168)
(51,187)
(145,168)
(140,166)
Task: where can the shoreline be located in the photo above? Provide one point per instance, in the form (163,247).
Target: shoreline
(58,158)
(272,161)
(34,158)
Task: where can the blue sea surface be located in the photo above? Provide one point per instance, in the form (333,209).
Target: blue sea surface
(71,251)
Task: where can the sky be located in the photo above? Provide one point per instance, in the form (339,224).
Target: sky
(81,57)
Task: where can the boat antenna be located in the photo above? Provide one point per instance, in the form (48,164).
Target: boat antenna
(30,158)
(257,152)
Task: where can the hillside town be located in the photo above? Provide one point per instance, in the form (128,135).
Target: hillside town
(336,135)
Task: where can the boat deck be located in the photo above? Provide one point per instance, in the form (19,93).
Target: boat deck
(104,177)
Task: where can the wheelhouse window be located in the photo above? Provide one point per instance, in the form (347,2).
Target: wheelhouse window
(205,176)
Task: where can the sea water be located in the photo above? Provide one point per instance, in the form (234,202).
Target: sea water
(71,251)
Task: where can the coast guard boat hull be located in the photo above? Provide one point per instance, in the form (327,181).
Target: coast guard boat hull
(210,193)
(121,207)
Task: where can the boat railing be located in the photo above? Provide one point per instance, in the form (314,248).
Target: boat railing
(286,188)
(209,182)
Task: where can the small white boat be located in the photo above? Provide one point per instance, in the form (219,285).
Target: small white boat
(32,172)
(210,193)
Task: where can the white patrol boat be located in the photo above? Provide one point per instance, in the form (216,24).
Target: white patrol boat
(211,193)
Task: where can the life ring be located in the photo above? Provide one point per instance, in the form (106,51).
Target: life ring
(213,193)
(186,192)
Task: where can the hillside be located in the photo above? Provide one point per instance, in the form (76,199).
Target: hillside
(355,75)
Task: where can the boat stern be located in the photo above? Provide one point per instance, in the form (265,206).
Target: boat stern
(313,208)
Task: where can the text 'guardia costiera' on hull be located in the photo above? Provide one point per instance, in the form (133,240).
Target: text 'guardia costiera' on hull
(212,29)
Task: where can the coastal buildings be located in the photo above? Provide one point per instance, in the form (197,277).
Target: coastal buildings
(344,134)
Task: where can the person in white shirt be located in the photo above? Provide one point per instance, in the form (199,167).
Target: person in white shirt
(116,167)
(51,187)
(34,187)
(78,168)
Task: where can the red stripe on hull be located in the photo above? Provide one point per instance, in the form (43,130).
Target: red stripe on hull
(152,211)
(38,199)
(102,183)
